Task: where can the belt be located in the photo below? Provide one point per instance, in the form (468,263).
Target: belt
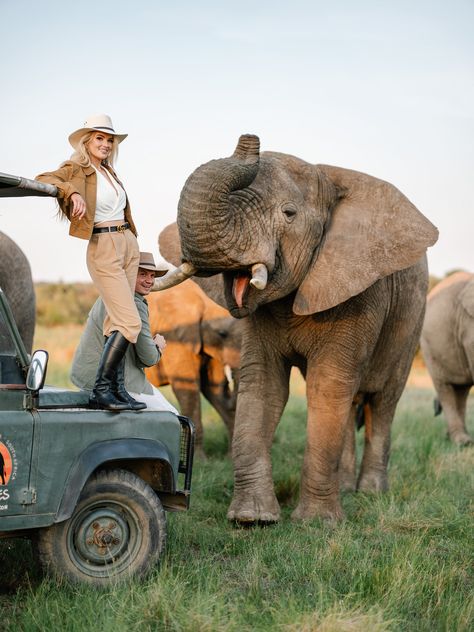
(111,229)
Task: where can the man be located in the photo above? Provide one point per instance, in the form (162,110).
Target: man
(145,352)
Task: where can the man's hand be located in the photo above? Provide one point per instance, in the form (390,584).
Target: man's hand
(160,342)
(78,206)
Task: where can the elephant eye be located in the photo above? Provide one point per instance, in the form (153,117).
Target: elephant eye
(289,211)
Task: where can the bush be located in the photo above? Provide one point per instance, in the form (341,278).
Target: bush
(64,303)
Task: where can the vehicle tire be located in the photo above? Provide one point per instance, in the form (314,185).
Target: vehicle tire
(117,532)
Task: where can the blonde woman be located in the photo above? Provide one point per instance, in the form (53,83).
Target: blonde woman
(93,199)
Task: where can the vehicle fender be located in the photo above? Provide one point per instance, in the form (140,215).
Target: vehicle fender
(101,453)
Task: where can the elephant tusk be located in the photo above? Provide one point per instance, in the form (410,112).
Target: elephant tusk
(174,277)
(259,276)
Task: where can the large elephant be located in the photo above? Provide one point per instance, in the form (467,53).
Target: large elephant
(17,283)
(202,339)
(329,267)
(447,344)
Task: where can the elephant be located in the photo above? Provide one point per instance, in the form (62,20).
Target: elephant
(202,339)
(17,283)
(447,345)
(328,268)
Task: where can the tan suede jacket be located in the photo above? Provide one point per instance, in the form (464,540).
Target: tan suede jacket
(72,178)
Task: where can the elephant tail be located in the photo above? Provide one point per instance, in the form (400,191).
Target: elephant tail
(437,407)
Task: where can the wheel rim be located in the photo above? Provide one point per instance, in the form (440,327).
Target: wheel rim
(104,538)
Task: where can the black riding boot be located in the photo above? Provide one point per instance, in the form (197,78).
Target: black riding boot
(103,395)
(121,392)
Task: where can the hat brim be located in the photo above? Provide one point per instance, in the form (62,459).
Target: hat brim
(159,272)
(76,136)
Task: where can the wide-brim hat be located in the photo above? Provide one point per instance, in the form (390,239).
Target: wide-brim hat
(147,262)
(95,123)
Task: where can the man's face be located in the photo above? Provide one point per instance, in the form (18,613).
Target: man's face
(145,281)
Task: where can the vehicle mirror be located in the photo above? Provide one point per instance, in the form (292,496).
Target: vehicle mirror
(37,371)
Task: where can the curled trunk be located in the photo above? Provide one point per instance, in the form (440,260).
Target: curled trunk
(204,213)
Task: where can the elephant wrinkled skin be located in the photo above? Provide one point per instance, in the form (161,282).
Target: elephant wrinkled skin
(17,283)
(447,344)
(329,267)
(202,339)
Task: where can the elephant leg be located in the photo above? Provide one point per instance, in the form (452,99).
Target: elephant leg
(379,413)
(215,388)
(256,419)
(453,400)
(347,465)
(329,408)
(188,394)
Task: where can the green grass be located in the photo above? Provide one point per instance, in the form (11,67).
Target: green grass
(400,561)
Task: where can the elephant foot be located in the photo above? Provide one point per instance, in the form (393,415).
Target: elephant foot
(373,482)
(461,438)
(347,482)
(248,509)
(330,513)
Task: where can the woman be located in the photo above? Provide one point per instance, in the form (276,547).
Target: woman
(92,197)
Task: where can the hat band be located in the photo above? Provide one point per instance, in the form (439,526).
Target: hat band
(110,129)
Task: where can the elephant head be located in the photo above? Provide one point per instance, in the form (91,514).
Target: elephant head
(275,225)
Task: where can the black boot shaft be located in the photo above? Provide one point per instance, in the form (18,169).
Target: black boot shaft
(103,395)
(121,392)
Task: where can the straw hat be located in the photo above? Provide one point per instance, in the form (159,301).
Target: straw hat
(147,262)
(95,123)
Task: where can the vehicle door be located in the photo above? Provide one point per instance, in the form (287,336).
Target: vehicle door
(16,422)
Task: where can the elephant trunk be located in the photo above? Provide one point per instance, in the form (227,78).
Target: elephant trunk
(206,223)
(174,277)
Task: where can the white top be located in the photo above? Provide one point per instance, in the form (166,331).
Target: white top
(111,199)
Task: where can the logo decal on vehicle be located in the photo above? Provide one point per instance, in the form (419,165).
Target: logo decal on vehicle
(8,465)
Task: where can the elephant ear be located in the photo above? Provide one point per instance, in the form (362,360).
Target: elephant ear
(466,298)
(169,245)
(373,231)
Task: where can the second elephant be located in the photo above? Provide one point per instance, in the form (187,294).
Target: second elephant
(202,339)
(447,344)
(17,283)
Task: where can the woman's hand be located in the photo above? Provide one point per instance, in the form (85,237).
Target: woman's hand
(78,206)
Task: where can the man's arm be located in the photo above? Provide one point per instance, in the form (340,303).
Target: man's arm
(146,349)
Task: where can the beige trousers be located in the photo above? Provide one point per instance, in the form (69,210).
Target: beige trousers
(112,261)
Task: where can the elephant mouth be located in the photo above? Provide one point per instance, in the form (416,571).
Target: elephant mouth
(242,288)
(237,291)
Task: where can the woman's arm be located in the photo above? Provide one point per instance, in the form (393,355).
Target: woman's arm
(61,178)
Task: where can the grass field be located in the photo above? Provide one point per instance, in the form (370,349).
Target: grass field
(400,561)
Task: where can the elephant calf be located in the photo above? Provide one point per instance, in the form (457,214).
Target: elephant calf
(447,344)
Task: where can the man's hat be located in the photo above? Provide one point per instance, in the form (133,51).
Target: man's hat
(95,123)
(147,262)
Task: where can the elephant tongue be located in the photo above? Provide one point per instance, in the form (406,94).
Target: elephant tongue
(239,286)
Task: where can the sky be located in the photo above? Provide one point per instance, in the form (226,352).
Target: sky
(382,87)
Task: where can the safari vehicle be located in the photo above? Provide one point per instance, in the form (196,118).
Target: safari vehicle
(89,487)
